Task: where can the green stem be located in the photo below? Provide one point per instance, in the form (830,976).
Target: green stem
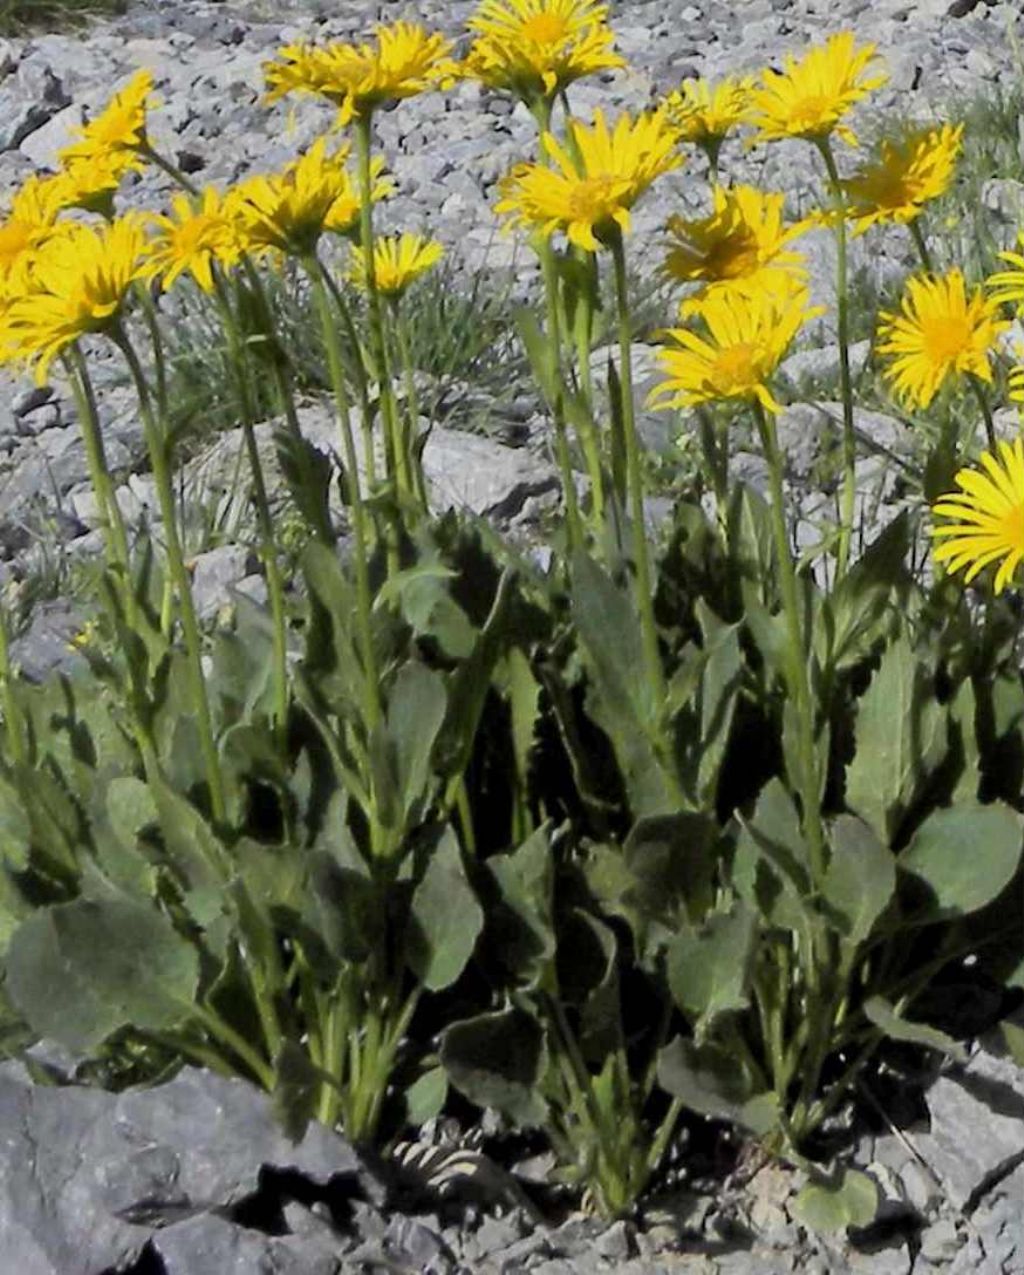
(156,446)
(170,169)
(361,378)
(796,654)
(574,530)
(634,477)
(360,557)
(268,542)
(411,402)
(13,724)
(226,1035)
(849,491)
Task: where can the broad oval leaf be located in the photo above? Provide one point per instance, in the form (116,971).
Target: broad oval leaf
(446,918)
(860,880)
(709,967)
(497,1060)
(880,1012)
(849,1198)
(712,1081)
(80,971)
(962,857)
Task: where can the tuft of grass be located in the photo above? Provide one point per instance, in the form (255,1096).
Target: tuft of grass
(20,17)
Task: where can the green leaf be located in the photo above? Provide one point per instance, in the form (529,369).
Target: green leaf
(297,1087)
(620,697)
(961,858)
(770,864)
(520,926)
(712,1081)
(709,966)
(883,1014)
(588,979)
(1013,1038)
(416,713)
(860,880)
(81,971)
(497,1060)
(446,918)
(430,611)
(539,351)
(900,739)
(848,1198)
(866,603)
(15,828)
(426,1096)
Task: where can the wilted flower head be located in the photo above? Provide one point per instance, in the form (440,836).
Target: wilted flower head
(536,48)
(746,338)
(812,95)
(404,60)
(740,247)
(987,516)
(941,332)
(908,173)
(78,282)
(398,261)
(120,126)
(590,203)
(706,113)
(290,210)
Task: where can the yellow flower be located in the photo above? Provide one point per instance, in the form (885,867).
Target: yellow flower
(404,61)
(193,238)
(79,279)
(343,215)
(706,113)
(398,261)
(593,204)
(92,183)
(740,247)
(290,210)
(29,223)
(810,97)
(121,126)
(747,337)
(536,48)
(908,173)
(988,516)
(939,332)
(1008,285)
(1015,390)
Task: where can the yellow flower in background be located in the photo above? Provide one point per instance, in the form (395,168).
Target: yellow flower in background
(592,203)
(398,261)
(747,337)
(740,247)
(940,332)
(987,516)
(192,238)
(1015,385)
(909,172)
(343,215)
(536,48)
(29,222)
(79,279)
(812,95)
(289,210)
(404,60)
(1008,285)
(92,183)
(121,126)
(706,113)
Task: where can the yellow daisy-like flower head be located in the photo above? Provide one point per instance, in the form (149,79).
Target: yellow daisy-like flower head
(91,183)
(343,215)
(1015,385)
(196,235)
(940,332)
(746,339)
(29,223)
(812,95)
(740,247)
(536,48)
(909,172)
(289,210)
(79,280)
(590,204)
(121,126)
(1008,285)
(398,261)
(404,60)
(986,516)
(706,113)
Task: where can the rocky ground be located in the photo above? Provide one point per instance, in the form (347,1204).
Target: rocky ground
(193,1178)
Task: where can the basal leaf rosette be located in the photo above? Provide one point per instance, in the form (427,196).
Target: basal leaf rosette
(589,199)
(986,516)
(402,61)
(537,48)
(741,247)
(811,97)
(76,285)
(942,333)
(398,261)
(908,173)
(745,338)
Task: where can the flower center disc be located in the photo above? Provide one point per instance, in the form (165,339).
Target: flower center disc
(544,28)
(946,339)
(734,368)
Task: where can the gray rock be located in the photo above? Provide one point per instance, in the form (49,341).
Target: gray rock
(88,1177)
(215,573)
(210,1245)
